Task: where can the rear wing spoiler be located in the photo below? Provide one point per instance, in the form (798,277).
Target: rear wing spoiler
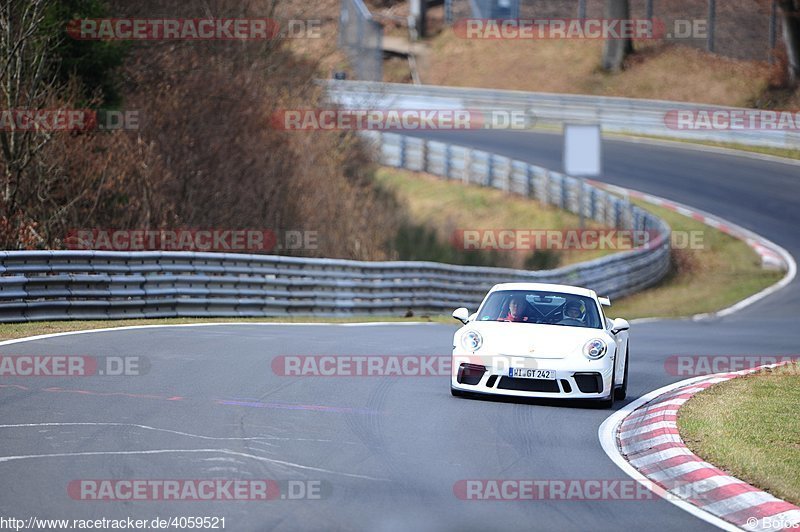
(604,301)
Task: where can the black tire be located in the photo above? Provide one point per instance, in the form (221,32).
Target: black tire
(608,402)
(622,392)
(457,393)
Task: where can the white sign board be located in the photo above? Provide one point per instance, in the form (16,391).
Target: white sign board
(582,150)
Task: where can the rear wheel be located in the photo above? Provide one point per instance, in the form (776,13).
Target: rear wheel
(622,392)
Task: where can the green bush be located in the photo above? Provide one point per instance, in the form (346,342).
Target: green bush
(93,63)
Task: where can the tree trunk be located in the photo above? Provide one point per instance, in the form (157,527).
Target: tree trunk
(616,50)
(790,12)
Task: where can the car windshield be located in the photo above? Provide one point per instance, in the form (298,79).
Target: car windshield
(545,308)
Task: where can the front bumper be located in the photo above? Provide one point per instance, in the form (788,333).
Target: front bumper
(592,380)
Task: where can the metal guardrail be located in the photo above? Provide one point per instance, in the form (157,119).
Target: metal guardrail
(618,115)
(56,285)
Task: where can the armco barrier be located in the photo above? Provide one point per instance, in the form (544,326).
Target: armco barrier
(55,285)
(617,115)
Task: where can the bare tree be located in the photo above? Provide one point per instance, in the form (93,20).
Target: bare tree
(27,82)
(616,50)
(790,12)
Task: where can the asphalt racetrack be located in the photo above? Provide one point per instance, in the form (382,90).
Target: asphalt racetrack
(386,451)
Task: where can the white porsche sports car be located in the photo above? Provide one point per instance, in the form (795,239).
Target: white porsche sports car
(541,340)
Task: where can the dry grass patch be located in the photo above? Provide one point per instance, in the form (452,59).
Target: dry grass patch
(449,206)
(724,272)
(656,71)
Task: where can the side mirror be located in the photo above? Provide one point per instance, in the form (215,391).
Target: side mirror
(604,301)
(462,315)
(619,325)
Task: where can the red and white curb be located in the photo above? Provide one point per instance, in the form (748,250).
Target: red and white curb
(643,439)
(772,255)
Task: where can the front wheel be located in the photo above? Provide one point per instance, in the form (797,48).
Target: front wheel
(608,402)
(457,393)
(622,392)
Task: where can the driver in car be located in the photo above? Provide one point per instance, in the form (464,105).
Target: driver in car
(574,311)
(516,309)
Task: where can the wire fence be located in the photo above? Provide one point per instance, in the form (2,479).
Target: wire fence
(495,8)
(740,29)
(361,37)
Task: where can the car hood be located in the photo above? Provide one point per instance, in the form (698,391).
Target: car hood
(532,340)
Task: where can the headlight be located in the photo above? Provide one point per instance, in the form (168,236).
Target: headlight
(595,349)
(471,340)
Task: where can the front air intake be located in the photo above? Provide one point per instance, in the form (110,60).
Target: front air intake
(589,382)
(528,385)
(470,374)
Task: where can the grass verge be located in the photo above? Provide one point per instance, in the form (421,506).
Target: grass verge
(725,271)
(448,206)
(10,331)
(748,427)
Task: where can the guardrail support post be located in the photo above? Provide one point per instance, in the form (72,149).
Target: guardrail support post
(631,224)
(447,155)
(548,188)
(582,203)
(402,151)
(712,21)
(529,190)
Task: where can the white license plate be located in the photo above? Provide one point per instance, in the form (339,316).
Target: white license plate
(526,373)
